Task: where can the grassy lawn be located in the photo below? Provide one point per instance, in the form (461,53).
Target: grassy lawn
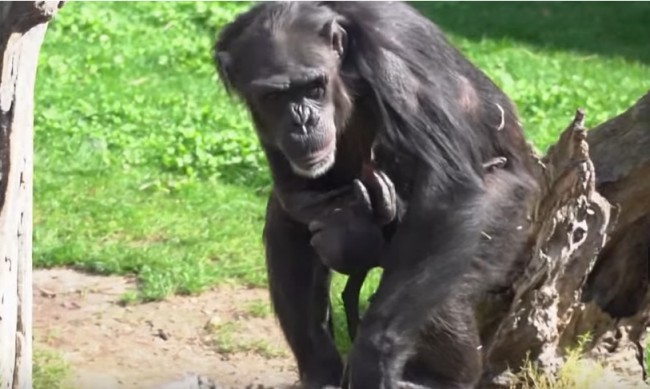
(145,167)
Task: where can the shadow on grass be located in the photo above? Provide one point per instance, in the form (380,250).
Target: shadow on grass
(602,28)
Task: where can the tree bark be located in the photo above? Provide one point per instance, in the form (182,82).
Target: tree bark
(22,28)
(587,272)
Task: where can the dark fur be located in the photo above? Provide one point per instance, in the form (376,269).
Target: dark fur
(355,246)
(432,119)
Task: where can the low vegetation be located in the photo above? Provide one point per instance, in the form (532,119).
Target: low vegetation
(49,371)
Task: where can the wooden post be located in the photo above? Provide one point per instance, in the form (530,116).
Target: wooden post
(22,28)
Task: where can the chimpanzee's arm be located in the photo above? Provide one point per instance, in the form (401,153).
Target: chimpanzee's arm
(299,286)
(372,195)
(426,262)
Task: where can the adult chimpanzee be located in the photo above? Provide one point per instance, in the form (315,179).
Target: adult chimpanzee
(327,85)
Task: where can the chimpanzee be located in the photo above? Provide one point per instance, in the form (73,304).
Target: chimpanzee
(333,85)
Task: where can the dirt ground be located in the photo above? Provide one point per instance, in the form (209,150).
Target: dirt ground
(223,334)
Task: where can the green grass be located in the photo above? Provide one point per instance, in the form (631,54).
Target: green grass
(576,372)
(50,370)
(145,167)
(552,58)
(258,308)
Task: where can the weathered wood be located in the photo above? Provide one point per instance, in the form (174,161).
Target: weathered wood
(589,252)
(22,28)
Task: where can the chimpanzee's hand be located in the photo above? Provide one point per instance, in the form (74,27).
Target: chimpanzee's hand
(380,191)
(348,238)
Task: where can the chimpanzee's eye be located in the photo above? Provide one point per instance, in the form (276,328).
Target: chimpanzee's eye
(273,96)
(315,92)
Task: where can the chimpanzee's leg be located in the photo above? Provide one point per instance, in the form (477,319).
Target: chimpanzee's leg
(350,297)
(299,286)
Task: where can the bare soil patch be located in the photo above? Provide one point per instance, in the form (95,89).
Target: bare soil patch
(223,334)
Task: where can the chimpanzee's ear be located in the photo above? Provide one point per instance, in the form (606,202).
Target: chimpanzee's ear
(337,37)
(223,62)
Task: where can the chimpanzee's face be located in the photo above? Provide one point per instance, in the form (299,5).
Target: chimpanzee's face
(290,81)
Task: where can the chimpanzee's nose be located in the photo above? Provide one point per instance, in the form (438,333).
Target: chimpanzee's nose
(302,117)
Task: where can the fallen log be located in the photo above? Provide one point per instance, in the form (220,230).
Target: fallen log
(586,276)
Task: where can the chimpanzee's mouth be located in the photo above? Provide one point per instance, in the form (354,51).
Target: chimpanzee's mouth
(317,163)
(316,157)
